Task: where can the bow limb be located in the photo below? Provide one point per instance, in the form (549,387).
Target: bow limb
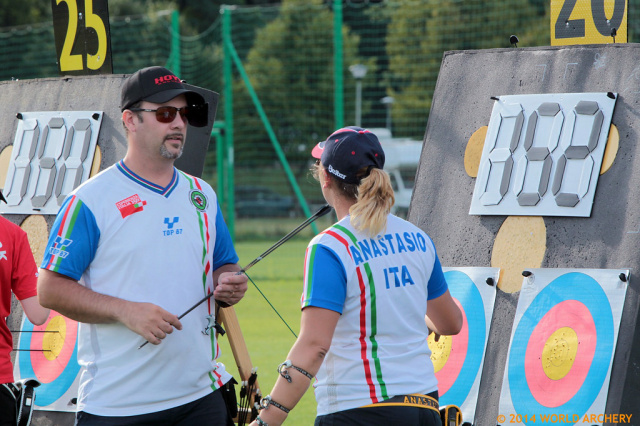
(239,349)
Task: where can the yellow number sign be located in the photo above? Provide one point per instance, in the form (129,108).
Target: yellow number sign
(81,30)
(588,21)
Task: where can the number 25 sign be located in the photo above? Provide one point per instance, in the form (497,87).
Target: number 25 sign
(82,36)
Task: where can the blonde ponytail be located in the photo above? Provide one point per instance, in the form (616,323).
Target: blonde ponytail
(374,201)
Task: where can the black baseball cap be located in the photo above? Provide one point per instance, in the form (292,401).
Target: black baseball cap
(157,85)
(348,150)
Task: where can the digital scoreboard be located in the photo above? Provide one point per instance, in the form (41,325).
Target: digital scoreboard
(52,154)
(542,154)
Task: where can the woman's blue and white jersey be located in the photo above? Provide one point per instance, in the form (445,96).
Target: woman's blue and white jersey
(380,286)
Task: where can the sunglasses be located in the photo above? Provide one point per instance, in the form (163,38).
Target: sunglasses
(196,115)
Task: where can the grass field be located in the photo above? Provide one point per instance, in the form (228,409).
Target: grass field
(279,277)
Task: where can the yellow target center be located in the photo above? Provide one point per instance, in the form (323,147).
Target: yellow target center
(53,340)
(440,350)
(559,353)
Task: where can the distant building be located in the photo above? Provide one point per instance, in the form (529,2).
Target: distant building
(402,156)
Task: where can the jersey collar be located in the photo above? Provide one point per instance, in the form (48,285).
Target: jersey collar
(164,191)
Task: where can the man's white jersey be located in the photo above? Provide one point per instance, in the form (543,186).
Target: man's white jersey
(126,237)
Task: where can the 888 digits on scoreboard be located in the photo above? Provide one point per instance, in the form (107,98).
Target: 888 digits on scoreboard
(52,154)
(542,154)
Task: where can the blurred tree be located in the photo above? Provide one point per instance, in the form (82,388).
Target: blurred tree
(291,69)
(369,21)
(13,13)
(197,15)
(540,34)
(428,29)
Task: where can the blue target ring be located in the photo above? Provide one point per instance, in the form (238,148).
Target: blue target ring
(465,291)
(571,286)
(47,393)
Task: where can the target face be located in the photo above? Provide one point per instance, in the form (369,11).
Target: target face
(458,359)
(48,352)
(449,355)
(563,341)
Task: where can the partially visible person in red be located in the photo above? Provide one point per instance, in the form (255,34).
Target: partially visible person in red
(18,274)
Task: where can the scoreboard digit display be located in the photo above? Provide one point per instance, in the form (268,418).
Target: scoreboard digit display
(52,154)
(542,154)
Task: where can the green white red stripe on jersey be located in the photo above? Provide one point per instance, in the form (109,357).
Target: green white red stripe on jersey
(368,315)
(205,237)
(73,207)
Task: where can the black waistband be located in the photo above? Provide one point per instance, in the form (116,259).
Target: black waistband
(429,401)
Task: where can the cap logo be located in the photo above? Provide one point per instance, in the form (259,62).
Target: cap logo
(335,172)
(169,78)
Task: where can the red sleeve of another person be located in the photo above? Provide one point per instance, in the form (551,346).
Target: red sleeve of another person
(18,274)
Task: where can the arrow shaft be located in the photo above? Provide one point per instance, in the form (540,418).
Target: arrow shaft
(323,211)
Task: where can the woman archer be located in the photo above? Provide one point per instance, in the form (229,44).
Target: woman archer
(373,290)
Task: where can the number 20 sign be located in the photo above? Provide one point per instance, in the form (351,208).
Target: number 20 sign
(588,21)
(542,154)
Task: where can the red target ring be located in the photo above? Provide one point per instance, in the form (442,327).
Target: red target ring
(555,392)
(449,373)
(593,343)
(58,348)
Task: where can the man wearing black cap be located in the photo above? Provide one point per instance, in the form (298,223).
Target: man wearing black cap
(131,248)
(18,274)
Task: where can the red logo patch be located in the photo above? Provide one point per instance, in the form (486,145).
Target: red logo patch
(130,205)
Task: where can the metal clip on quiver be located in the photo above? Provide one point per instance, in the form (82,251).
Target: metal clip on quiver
(451,415)
(25,400)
